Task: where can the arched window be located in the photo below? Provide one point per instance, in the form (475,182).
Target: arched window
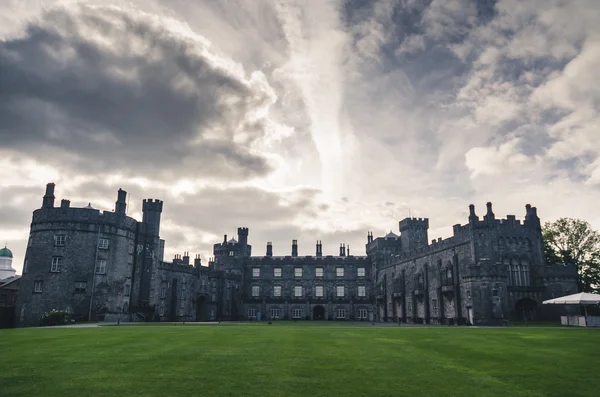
(506,263)
(515,272)
(449,276)
(525,272)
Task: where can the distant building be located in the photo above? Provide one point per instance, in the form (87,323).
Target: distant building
(6,258)
(107,266)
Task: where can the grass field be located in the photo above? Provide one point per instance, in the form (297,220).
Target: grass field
(294,360)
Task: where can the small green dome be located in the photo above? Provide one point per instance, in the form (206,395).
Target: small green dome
(6,252)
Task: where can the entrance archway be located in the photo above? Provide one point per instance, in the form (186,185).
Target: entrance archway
(319,313)
(526,308)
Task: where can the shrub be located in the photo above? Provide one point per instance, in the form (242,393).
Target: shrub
(55,317)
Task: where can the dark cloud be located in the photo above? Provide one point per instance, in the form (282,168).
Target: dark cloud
(101,89)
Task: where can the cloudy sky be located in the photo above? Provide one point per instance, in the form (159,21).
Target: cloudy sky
(299,119)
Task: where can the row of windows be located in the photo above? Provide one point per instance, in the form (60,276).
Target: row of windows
(299,313)
(80,287)
(299,290)
(339,272)
(60,240)
(57,262)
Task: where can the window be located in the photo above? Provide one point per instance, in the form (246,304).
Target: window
(468,294)
(59,240)
(298,272)
(80,287)
(298,290)
(277,290)
(101,266)
(131,248)
(362,290)
(251,313)
(256,272)
(319,272)
(361,272)
(434,304)
(449,276)
(494,292)
(213,297)
(255,290)
(339,272)
(103,243)
(361,314)
(277,272)
(340,313)
(230,253)
(37,286)
(340,290)
(319,291)
(297,313)
(56,264)
(163,292)
(162,311)
(274,314)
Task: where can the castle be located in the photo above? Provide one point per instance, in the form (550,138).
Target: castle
(103,265)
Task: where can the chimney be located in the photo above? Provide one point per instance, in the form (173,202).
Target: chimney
(197,261)
(319,248)
(348,250)
(121,203)
(269,248)
(65,203)
(489,216)
(294,247)
(48,201)
(225,239)
(186,258)
(472,217)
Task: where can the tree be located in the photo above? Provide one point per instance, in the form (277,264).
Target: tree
(573,241)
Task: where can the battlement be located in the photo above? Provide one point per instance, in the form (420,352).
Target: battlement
(414,223)
(278,260)
(177,267)
(152,205)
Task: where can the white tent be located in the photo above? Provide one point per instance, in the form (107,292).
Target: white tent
(582,298)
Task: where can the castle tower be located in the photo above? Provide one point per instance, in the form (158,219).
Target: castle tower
(242,236)
(121,203)
(413,233)
(151,210)
(48,201)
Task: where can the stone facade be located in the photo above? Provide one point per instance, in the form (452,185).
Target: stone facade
(107,266)
(489,271)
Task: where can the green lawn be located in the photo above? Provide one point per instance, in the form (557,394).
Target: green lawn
(261,360)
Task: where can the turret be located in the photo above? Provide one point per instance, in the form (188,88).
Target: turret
(242,235)
(294,247)
(151,210)
(121,203)
(413,233)
(269,248)
(48,201)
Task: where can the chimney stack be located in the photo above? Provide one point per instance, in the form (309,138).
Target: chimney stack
(121,203)
(269,248)
(65,203)
(48,201)
(294,248)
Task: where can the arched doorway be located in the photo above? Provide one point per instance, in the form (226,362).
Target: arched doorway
(526,308)
(319,313)
(201,314)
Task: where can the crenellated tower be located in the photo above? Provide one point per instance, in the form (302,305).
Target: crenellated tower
(413,233)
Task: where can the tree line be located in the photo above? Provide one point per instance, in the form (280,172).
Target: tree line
(575,242)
